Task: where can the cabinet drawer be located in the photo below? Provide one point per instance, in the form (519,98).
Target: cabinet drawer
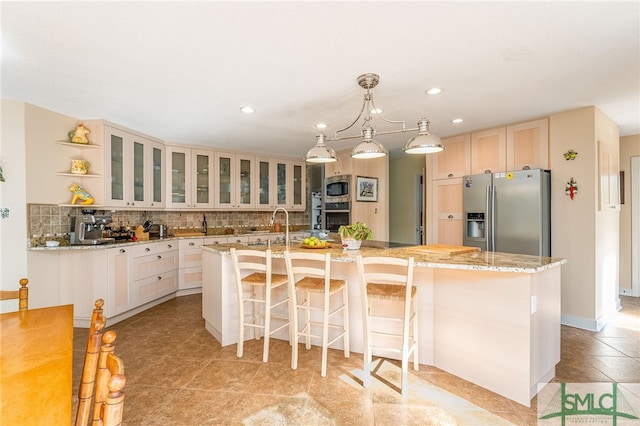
(191,252)
(154,264)
(154,287)
(152,248)
(190,278)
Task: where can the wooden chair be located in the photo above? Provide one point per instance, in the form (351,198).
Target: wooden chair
(311,273)
(102,377)
(90,366)
(22,295)
(108,405)
(253,269)
(389,279)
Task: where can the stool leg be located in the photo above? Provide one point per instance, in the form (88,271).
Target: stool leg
(267,323)
(307,321)
(325,333)
(345,320)
(366,347)
(416,362)
(240,328)
(293,318)
(256,314)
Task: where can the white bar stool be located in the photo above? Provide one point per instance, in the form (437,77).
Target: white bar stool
(253,269)
(389,278)
(311,273)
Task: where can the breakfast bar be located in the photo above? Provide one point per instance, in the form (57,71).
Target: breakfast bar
(490,318)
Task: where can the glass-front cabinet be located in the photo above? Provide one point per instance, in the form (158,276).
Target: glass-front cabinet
(281,183)
(135,167)
(191,177)
(236,181)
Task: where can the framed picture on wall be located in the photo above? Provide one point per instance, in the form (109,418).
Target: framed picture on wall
(366,188)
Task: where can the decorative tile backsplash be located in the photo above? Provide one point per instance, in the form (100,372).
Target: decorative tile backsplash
(46,220)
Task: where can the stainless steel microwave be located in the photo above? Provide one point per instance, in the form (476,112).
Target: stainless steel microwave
(337,189)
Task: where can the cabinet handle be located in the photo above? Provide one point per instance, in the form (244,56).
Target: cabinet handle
(123,251)
(159,257)
(191,244)
(450,216)
(450,175)
(147,249)
(159,277)
(487,171)
(526,168)
(169,246)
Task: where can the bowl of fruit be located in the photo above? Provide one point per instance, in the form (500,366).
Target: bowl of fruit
(315,243)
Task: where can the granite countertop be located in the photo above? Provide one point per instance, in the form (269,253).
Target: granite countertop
(480,260)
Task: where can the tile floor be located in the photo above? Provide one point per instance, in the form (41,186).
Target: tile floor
(178,374)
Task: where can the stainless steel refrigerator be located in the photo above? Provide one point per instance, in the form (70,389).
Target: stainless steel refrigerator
(508,212)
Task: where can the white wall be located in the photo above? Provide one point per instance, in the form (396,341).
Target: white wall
(629,147)
(13,230)
(585,236)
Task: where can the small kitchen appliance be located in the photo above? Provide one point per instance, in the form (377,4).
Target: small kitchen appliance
(87,229)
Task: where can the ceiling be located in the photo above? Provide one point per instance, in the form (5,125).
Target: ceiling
(180,71)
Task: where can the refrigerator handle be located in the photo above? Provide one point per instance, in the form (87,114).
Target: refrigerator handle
(493,218)
(488,228)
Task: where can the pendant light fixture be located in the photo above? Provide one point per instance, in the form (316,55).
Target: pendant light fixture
(425,142)
(369,147)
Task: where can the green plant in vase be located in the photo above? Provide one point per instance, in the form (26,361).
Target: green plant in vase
(352,235)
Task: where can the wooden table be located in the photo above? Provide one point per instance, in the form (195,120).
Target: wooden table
(36,357)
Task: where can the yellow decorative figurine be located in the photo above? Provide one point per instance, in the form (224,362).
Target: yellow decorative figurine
(80,134)
(80,194)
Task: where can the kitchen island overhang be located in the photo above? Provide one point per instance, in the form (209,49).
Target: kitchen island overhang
(490,318)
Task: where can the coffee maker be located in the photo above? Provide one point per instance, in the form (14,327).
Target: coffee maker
(87,229)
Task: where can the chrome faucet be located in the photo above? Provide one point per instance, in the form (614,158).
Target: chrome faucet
(286,231)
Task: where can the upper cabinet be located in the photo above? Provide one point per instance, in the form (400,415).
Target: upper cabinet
(455,160)
(236,181)
(134,166)
(528,145)
(489,151)
(516,147)
(191,179)
(344,165)
(281,183)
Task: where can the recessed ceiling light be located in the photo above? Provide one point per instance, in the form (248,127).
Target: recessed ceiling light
(247,110)
(321,126)
(433,91)
(457,120)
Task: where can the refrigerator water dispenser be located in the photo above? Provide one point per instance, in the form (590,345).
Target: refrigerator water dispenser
(475,225)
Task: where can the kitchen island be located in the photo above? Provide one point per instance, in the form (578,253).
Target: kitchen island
(490,318)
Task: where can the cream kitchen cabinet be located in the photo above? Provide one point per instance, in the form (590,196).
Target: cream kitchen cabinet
(237,181)
(455,160)
(344,165)
(135,169)
(528,145)
(191,177)
(447,211)
(281,183)
(489,151)
(154,271)
(190,263)
(119,295)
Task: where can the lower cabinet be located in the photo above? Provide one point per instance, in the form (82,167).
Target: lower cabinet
(154,271)
(190,264)
(119,298)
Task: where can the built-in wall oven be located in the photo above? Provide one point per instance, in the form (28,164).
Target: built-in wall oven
(337,202)
(336,214)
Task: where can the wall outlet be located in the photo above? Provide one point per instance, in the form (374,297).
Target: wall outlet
(5,213)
